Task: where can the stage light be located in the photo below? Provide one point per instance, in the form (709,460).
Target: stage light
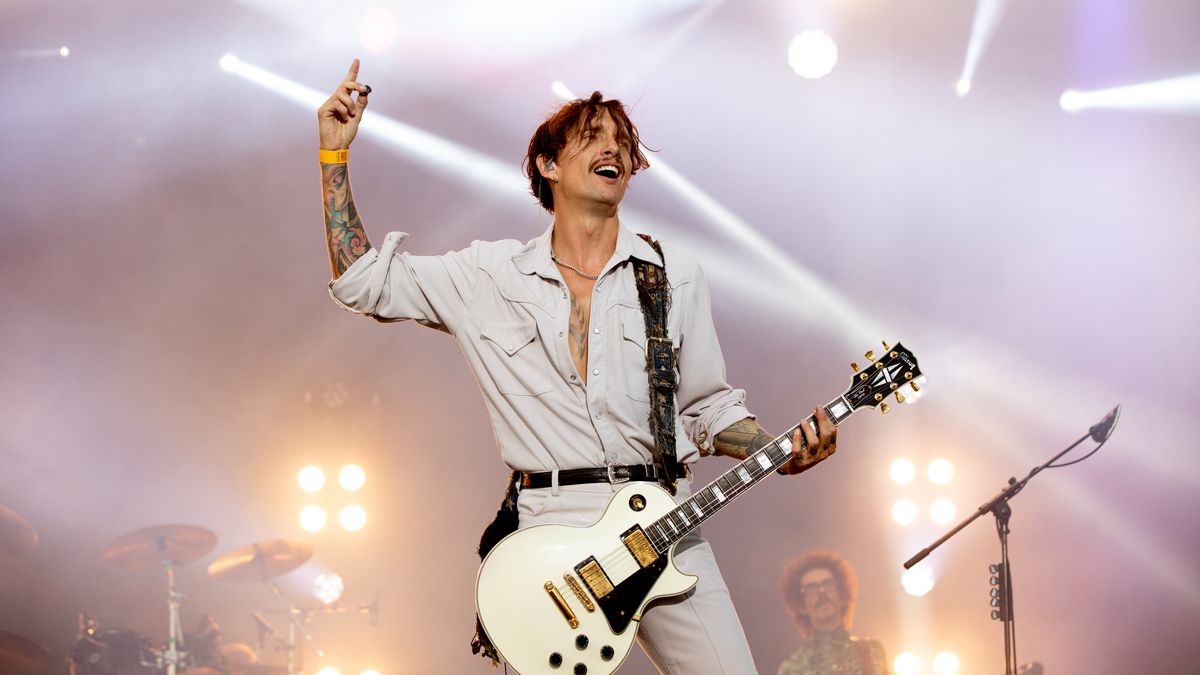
(941,471)
(1180,94)
(905,664)
(560,90)
(917,581)
(311,479)
(379,30)
(328,588)
(942,511)
(352,477)
(945,663)
(904,511)
(328,671)
(987,17)
(353,518)
(812,54)
(64,51)
(312,518)
(902,471)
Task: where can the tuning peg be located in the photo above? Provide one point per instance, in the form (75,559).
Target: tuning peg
(883,407)
(914,386)
(886,348)
(870,355)
(899,397)
(854,366)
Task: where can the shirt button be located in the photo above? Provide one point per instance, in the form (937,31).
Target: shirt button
(596,331)
(560,333)
(614,455)
(598,415)
(572,378)
(596,371)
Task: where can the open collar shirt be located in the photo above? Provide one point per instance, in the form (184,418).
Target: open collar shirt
(506,304)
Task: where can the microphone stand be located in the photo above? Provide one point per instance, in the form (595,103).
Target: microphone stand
(1000,508)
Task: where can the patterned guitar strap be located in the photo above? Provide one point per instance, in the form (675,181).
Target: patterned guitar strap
(655,297)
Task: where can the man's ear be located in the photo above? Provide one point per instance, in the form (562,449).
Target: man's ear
(547,168)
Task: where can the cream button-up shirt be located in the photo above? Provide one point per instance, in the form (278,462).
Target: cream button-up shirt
(507,305)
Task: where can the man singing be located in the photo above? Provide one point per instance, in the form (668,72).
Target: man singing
(555,333)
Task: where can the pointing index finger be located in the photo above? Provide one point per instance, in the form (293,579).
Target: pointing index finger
(353,74)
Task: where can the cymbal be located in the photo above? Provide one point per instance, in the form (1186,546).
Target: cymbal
(16,535)
(21,656)
(149,546)
(259,669)
(261,561)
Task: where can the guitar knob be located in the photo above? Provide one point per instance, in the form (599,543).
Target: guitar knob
(886,348)
(854,366)
(555,660)
(899,397)
(580,669)
(870,355)
(915,386)
(581,642)
(884,408)
(607,653)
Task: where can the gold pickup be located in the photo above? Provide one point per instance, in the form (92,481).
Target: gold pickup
(562,604)
(595,578)
(640,547)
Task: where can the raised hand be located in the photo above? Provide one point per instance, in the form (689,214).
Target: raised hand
(338,118)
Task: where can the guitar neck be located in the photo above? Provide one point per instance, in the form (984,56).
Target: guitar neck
(677,523)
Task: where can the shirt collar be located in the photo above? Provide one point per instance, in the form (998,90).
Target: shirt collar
(534,257)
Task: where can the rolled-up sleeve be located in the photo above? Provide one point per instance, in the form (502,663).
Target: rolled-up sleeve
(707,404)
(388,285)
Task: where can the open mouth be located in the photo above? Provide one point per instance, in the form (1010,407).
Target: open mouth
(610,171)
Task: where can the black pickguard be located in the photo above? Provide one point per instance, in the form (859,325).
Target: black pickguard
(620,605)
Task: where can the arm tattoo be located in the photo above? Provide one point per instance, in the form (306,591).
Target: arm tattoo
(741,438)
(346,237)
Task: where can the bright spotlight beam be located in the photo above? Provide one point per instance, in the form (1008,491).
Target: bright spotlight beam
(1176,95)
(987,17)
(433,150)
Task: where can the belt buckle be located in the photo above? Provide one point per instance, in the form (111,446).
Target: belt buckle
(612,477)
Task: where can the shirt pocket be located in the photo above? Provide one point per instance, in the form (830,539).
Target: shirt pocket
(513,360)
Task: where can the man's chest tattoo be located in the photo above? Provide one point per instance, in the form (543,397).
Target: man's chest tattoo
(577,327)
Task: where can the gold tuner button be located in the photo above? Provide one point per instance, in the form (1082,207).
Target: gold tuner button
(885,346)
(878,397)
(854,366)
(899,397)
(870,355)
(884,408)
(908,376)
(914,386)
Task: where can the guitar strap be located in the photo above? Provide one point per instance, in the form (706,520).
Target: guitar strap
(655,297)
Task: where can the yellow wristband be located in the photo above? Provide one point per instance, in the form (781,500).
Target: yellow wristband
(334,156)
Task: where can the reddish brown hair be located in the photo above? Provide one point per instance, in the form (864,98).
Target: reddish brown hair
(793,595)
(578,116)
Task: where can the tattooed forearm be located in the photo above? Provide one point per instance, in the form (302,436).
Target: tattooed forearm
(346,237)
(741,438)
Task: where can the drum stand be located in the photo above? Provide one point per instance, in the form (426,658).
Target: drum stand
(172,656)
(296,617)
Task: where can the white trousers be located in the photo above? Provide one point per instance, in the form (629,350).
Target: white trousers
(695,633)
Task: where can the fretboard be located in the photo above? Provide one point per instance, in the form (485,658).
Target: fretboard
(749,472)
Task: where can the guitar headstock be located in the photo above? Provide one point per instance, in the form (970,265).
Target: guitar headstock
(893,372)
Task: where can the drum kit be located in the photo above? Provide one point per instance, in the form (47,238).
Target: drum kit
(117,651)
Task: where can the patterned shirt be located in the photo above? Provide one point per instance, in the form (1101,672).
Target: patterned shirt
(836,653)
(508,307)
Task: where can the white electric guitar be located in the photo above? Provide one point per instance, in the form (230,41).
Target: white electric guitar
(564,599)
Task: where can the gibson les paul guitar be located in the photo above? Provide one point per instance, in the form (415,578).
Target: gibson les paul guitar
(566,599)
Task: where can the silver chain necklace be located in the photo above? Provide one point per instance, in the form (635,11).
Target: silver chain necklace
(576,270)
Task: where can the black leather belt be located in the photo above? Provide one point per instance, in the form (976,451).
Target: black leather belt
(619,473)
